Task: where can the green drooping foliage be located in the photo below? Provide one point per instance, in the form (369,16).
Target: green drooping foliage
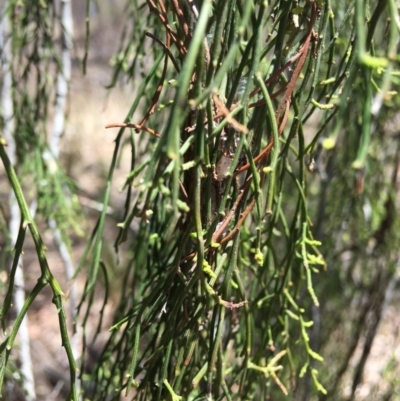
(258,136)
(261,201)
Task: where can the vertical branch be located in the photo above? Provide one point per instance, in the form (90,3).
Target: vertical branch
(15,214)
(62,91)
(63,77)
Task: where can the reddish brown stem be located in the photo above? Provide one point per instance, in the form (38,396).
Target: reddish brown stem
(179,44)
(157,93)
(136,127)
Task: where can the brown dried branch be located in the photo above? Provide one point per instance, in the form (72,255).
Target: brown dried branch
(160,85)
(174,36)
(181,18)
(135,126)
(227,114)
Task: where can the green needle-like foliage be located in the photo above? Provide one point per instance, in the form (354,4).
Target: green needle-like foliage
(263,181)
(217,294)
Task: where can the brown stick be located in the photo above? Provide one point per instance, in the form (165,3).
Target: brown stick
(239,223)
(286,101)
(160,85)
(227,114)
(181,18)
(136,127)
(227,219)
(179,44)
(167,50)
